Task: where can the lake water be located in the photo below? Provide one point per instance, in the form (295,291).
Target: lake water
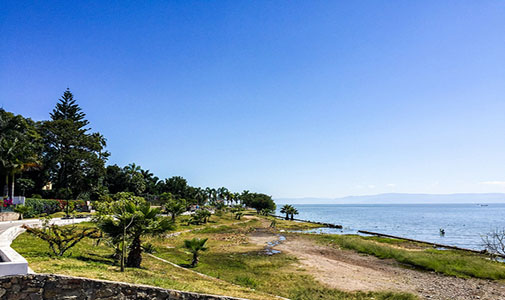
(464,224)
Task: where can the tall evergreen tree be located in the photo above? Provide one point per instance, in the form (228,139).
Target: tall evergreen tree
(74,158)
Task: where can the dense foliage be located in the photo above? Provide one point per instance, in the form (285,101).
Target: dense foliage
(19,146)
(63,158)
(258,201)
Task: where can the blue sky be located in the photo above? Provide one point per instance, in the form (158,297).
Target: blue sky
(291,98)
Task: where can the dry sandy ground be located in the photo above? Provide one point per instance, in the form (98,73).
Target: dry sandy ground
(349,271)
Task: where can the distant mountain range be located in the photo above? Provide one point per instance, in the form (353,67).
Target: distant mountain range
(397,198)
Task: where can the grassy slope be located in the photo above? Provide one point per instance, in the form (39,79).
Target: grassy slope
(449,262)
(88,260)
(230,258)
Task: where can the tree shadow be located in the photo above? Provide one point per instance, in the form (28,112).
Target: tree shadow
(187,266)
(90,257)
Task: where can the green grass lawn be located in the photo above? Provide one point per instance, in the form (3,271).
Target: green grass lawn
(450,262)
(282,224)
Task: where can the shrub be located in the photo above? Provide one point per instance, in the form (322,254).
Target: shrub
(41,206)
(22,210)
(51,206)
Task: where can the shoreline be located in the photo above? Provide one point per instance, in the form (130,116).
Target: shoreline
(372,233)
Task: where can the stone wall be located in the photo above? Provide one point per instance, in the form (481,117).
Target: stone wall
(9,216)
(44,286)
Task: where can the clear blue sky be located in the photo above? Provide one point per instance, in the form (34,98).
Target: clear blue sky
(291,98)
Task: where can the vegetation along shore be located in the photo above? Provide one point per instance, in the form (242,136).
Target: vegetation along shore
(169,234)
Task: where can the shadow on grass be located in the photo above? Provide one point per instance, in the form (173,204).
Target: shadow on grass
(90,257)
(187,266)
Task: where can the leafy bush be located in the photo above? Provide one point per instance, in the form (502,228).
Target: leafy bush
(22,210)
(77,205)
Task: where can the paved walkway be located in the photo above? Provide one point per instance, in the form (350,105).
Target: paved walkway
(8,224)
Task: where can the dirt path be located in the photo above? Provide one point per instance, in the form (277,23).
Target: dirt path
(350,271)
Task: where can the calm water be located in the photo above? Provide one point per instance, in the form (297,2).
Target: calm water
(463,223)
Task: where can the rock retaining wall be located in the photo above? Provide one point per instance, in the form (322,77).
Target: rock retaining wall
(45,286)
(9,216)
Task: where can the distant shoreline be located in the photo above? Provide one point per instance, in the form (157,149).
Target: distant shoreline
(399,198)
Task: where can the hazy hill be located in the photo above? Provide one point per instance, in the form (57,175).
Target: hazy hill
(397,198)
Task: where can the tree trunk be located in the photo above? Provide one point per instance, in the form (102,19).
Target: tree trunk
(287,216)
(12,187)
(6,186)
(135,254)
(292,217)
(123,248)
(194,262)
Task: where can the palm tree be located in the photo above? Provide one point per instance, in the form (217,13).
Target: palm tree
(133,218)
(208,192)
(22,210)
(212,195)
(133,169)
(222,192)
(19,143)
(194,246)
(286,210)
(293,211)
(174,207)
(16,158)
(200,196)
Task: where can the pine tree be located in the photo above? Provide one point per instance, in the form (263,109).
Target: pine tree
(74,157)
(67,109)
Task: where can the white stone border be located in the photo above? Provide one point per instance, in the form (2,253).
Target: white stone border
(12,262)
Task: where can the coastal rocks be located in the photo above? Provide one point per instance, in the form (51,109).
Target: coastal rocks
(44,286)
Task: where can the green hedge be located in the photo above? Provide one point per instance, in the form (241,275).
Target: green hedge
(51,206)
(41,206)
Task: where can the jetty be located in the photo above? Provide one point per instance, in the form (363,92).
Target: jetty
(429,243)
(329,225)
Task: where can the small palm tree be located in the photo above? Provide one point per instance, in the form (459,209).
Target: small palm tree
(194,246)
(293,211)
(22,210)
(286,209)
